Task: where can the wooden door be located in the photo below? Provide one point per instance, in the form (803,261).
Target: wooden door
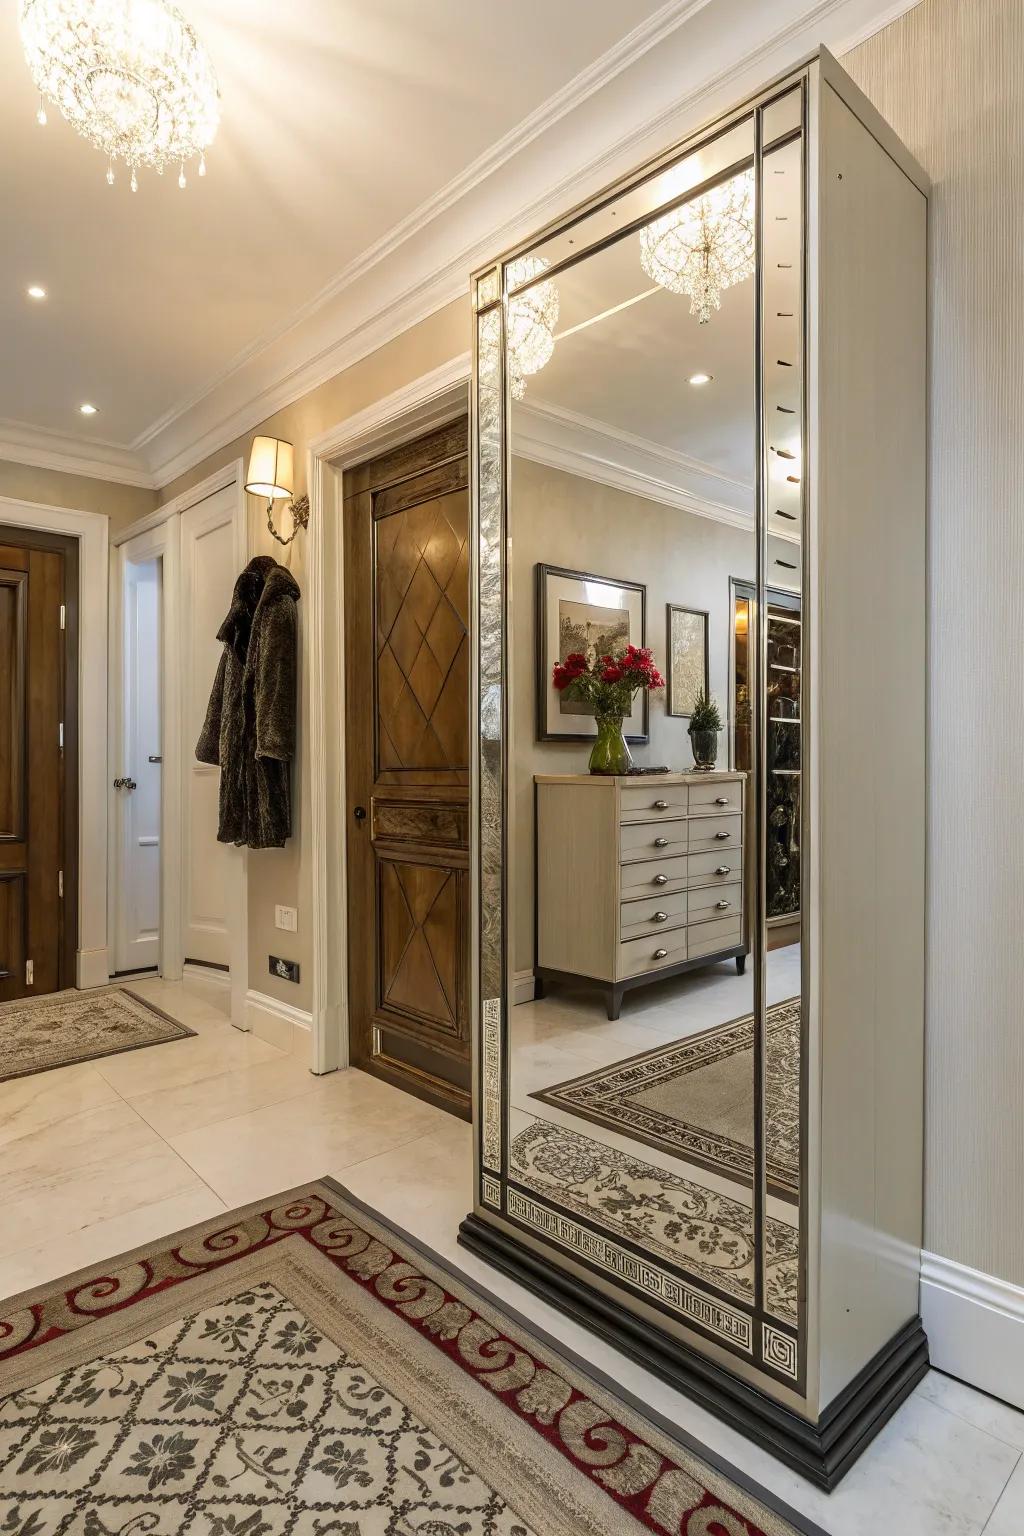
(37,738)
(407,766)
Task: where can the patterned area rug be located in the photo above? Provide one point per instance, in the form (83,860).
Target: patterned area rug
(694,1098)
(53,1031)
(297,1369)
(698,1230)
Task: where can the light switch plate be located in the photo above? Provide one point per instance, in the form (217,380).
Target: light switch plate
(286,918)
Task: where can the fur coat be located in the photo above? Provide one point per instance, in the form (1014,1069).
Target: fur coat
(249,729)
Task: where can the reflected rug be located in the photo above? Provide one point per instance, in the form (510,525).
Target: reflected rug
(694,1098)
(38,1033)
(296,1368)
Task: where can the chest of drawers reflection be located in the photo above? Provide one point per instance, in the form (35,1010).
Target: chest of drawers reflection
(638,881)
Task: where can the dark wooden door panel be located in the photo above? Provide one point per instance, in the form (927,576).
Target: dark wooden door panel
(407,753)
(36,730)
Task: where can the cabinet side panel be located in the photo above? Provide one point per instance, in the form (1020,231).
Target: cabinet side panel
(871,517)
(577,895)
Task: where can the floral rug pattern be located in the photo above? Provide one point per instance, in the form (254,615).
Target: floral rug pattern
(698,1230)
(330,1381)
(38,1033)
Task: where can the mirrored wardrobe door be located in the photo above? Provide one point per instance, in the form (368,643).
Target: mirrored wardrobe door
(632,525)
(781,711)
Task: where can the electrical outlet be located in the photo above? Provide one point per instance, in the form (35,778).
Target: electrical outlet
(286,918)
(284,970)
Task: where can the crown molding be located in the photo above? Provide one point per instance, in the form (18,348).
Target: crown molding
(687,63)
(40,448)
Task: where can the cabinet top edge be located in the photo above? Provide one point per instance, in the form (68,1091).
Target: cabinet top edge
(833,74)
(637,780)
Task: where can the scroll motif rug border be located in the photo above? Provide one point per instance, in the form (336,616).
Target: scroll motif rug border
(62,1029)
(608,1096)
(556,1451)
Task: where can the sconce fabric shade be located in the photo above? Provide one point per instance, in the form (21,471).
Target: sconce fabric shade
(271,468)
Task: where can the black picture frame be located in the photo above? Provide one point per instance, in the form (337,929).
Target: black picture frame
(671,609)
(547,650)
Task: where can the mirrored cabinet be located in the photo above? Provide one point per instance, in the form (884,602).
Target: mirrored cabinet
(699,785)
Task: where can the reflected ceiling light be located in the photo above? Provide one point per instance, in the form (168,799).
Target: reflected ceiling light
(704,246)
(700,378)
(87,409)
(130,75)
(532,317)
(35,292)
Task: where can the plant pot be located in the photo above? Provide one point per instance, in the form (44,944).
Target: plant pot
(704,746)
(610,753)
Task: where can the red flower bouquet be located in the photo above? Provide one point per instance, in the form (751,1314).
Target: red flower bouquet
(609,684)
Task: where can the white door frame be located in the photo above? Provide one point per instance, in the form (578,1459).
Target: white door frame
(91,531)
(427,402)
(157,541)
(164,525)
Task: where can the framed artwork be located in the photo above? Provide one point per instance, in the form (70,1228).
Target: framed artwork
(590,614)
(687,673)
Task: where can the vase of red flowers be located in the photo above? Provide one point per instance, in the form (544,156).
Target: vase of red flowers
(609,684)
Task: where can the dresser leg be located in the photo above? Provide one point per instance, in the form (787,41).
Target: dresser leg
(741,964)
(613,997)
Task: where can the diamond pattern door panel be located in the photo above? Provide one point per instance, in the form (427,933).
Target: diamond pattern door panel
(406,531)
(422,584)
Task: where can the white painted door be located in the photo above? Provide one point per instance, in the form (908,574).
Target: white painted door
(139,800)
(210,563)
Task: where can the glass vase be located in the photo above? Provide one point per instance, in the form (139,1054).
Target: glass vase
(610,753)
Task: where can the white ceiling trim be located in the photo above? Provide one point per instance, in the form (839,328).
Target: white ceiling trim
(682,66)
(41,448)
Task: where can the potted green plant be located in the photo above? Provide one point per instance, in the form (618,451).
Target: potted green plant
(705,724)
(609,684)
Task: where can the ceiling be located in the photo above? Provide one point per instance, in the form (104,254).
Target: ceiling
(368,157)
(338,119)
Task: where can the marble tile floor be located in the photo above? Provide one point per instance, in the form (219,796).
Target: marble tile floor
(101,1157)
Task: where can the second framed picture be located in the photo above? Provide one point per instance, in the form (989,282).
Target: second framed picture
(687,658)
(593,615)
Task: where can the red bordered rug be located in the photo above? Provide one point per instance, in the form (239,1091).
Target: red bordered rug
(296,1368)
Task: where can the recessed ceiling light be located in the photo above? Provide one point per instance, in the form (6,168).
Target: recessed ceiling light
(700,378)
(35,292)
(87,410)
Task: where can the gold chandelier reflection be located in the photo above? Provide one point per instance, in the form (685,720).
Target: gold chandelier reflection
(704,246)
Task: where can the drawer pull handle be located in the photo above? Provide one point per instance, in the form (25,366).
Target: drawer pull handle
(659,954)
(721,800)
(661,805)
(661,842)
(660,880)
(721,905)
(721,836)
(659,917)
(724,869)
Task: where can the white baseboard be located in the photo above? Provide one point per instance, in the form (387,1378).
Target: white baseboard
(281,1024)
(93,968)
(523,987)
(975,1326)
(207,974)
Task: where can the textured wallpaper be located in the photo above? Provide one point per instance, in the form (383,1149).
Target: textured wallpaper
(949,77)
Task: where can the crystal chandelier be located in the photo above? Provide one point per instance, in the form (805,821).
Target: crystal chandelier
(130,75)
(532,317)
(704,246)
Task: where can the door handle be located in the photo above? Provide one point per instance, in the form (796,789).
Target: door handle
(156,759)
(360,813)
(125,784)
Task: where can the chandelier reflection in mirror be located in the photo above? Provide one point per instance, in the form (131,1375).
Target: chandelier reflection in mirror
(704,246)
(532,317)
(130,75)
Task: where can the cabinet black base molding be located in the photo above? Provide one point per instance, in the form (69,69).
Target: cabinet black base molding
(822,1452)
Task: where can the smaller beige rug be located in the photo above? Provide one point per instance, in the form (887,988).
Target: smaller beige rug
(38,1033)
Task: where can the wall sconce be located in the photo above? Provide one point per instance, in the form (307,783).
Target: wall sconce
(272,474)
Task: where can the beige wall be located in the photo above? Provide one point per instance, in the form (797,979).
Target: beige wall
(560,519)
(282,875)
(78,493)
(949,77)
